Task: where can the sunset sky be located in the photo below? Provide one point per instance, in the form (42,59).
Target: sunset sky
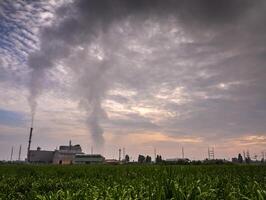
(139,74)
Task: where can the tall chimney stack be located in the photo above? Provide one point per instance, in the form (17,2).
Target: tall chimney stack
(28,153)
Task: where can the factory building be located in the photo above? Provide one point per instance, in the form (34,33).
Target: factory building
(66,154)
(89,158)
(112,161)
(40,156)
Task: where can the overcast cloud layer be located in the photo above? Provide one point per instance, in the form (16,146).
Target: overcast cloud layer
(139,74)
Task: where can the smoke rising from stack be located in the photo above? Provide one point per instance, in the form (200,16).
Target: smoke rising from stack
(79,25)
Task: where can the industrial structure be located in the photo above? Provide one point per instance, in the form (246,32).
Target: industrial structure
(40,156)
(88,159)
(66,154)
(28,152)
(211,153)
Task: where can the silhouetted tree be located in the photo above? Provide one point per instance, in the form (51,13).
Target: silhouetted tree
(240,158)
(148,159)
(159,159)
(127,158)
(248,160)
(141,159)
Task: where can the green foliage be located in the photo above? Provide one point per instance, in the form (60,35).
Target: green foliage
(132,182)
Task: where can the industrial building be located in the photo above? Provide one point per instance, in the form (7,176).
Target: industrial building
(89,158)
(112,161)
(40,156)
(176,160)
(66,154)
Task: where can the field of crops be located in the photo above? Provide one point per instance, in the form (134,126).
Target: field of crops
(132,182)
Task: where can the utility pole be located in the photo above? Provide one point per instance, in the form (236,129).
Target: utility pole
(155,155)
(19,153)
(248,155)
(183,155)
(91,149)
(119,154)
(124,153)
(11,156)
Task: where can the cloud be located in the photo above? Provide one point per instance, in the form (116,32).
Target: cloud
(193,68)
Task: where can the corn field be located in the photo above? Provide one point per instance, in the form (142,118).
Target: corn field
(132,182)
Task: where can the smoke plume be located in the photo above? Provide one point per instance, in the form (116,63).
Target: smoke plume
(76,30)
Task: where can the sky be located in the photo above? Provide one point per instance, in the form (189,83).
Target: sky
(138,74)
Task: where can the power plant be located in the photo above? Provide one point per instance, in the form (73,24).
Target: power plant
(66,154)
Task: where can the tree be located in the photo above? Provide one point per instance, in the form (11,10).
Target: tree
(148,159)
(248,160)
(127,158)
(141,159)
(240,158)
(159,159)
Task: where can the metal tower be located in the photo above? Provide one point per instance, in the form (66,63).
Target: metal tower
(211,153)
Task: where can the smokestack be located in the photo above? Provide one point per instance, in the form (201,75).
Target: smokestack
(28,153)
(183,153)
